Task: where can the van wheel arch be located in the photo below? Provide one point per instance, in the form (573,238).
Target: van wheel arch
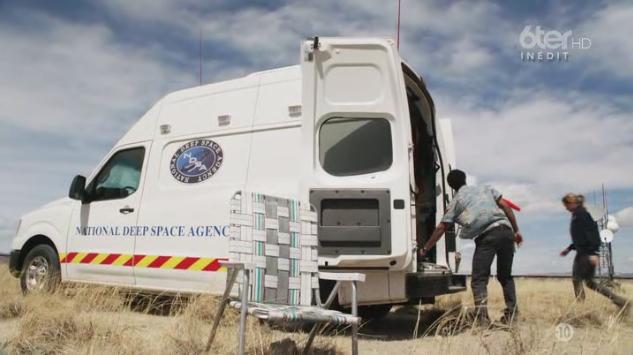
(32,243)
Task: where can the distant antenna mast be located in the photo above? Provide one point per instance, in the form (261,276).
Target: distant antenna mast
(200,56)
(398,33)
(606,271)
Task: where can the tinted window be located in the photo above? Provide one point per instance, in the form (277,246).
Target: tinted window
(120,176)
(354,146)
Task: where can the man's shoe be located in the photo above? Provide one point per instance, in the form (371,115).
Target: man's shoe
(483,322)
(508,318)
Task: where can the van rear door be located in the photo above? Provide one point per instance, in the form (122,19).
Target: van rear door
(357,133)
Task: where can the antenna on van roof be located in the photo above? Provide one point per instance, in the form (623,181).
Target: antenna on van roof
(200,56)
(398,32)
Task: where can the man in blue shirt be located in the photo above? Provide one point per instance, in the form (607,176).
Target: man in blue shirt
(487,219)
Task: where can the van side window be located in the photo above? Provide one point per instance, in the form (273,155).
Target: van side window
(119,177)
(354,146)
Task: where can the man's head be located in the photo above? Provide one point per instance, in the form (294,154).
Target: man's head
(456,179)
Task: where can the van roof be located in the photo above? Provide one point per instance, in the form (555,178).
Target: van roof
(145,128)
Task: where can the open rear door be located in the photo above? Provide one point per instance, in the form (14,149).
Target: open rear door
(351,75)
(357,131)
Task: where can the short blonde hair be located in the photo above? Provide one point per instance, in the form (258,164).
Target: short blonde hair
(574,198)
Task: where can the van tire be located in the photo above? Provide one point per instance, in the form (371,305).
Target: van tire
(41,271)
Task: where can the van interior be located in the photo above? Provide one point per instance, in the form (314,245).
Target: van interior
(426,158)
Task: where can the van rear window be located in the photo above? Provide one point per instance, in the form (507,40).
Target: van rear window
(355,146)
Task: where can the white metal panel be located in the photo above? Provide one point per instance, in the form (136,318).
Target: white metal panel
(447,142)
(144,129)
(202,206)
(274,165)
(202,113)
(359,77)
(276,96)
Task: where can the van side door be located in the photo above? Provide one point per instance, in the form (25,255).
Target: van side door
(100,238)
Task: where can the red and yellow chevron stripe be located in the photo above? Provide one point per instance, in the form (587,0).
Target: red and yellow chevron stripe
(146,261)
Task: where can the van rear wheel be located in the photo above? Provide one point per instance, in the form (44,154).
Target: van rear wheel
(41,271)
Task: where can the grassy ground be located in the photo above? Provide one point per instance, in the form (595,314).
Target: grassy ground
(96,320)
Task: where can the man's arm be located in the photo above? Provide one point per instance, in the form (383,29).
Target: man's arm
(452,211)
(437,234)
(518,238)
(509,213)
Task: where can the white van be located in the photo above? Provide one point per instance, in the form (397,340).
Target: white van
(351,130)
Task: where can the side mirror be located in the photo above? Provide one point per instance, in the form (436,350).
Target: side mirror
(78,188)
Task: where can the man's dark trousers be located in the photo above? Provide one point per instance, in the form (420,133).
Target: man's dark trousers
(499,242)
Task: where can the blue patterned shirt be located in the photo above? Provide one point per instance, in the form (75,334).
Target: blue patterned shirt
(475,209)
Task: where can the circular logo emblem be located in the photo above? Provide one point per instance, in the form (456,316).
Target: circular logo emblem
(196,161)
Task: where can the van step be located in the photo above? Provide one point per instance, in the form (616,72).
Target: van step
(456,288)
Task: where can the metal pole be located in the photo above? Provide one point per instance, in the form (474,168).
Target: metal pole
(243,311)
(225,300)
(355,325)
(200,56)
(398,35)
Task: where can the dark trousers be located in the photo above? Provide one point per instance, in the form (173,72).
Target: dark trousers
(583,271)
(497,242)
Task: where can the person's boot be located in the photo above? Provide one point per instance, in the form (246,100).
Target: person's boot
(509,317)
(625,307)
(481,317)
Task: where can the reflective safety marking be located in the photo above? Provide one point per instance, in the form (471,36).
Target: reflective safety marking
(99,259)
(122,260)
(110,258)
(144,261)
(200,264)
(78,258)
(172,262)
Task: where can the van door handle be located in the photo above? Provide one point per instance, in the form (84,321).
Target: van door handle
(126,210)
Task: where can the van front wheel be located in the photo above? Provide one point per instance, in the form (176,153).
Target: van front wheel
(40,270)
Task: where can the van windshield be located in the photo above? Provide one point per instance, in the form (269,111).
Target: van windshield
(355,146)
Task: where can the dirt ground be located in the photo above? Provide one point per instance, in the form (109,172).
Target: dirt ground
(99,320)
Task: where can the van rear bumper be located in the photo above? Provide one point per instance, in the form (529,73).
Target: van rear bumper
(421,285)
(14,259)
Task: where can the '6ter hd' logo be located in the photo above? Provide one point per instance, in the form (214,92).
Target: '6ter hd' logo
(196,161)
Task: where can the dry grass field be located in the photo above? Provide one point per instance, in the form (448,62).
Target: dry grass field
(99,320)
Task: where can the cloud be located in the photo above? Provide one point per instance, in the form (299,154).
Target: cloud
(538,145)
(268,36)
(625,217)
(611,47)
(63,77)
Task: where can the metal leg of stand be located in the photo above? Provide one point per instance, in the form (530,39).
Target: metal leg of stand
(243,312)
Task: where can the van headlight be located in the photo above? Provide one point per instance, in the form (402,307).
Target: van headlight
(17,230)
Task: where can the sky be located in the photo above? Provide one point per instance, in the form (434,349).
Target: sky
(75,75)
